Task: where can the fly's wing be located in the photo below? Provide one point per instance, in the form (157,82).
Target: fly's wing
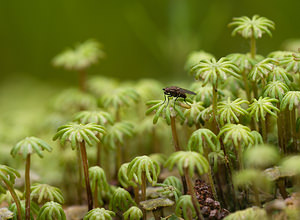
(187,91)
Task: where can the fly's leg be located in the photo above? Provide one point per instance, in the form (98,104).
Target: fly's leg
(186,102)
(175,102)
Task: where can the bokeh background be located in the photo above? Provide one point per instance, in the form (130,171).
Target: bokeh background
(141,39)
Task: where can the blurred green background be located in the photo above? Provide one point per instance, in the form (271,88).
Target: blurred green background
(141,38)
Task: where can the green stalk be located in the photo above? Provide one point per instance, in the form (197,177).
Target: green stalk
(215,107)
(174,134)
(256,196)
(119,157)
(144,193)
(98,162)
(27,188)
(82,80)
(192,193)
(246,85)
(253,47)
(280,131)
(293,129)
(96,195)
(240,156)
(15,198)
(210,178)
(177,147)
(79,185)
(287,125)
(86,175)
(264,129)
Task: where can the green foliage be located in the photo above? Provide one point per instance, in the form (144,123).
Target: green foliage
(291,99)
(203,138)
(123,178)
(45,192)
(184,206)
(158,158)
(6,196)
(99,85)
(173,181)
(8,175)
(121,200)
(213,70)
(257,138)
(99,214)
(97,117)
(133,213)
(51,210)
(34,209)
(117,133)
(188,160)
(261,156)
(195,57)
(119,97)
(244,61)
(164,110)
(252,177)
(215,157)
(279,74)
(259,108)
(261,70)
(291,165)
(191,113)
(291,62)
(252,27)
(203,93)
(229,111)
(76,133)
(98,179)
(248,214)
(30,145)
(143,164)
(73,100)
(276,89)
(81,57)
(236,134)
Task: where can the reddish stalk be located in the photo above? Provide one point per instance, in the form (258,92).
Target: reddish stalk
(86,175)
(27,188)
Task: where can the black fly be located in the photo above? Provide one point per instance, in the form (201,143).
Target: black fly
(176,92)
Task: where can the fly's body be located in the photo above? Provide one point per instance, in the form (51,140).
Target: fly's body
(176,92)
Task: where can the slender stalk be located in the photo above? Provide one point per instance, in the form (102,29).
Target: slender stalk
(119,157)
(136,195)
(16,200)
(177,148)
(215,108)
(82,80)
(256,195)
(98,162)
(212,185)
(27,188)
(79,185)
(86,175)
(158,214)
(96,195)
(280,131)
(246,85)
(293,129)
(253,47)
(287,125)
(240,156)
(144,193)
(174,134)
(192,193)
(264,130)
(281,187)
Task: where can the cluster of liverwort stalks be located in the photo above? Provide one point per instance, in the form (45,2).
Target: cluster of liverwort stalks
(239,134)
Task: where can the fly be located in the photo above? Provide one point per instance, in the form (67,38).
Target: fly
(176,92)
